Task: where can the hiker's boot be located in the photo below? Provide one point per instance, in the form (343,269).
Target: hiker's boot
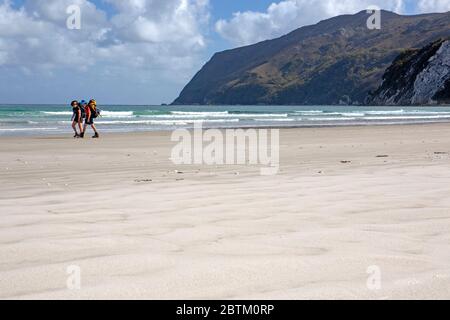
(82,135)
(95,136)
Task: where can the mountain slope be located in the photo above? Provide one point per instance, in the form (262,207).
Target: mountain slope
(417,77)
(338,60)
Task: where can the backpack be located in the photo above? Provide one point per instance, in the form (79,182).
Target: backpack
(96,112)
(83,113)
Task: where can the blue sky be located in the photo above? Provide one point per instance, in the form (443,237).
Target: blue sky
(143,51)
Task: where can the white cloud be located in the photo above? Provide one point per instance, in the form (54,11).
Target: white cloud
(282,17)
(434,5)
(161,37)
(161,21)
(38,38)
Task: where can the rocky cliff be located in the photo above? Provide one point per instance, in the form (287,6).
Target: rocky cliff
(338,60)
(417,77)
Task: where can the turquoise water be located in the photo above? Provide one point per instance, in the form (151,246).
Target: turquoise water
(55,119)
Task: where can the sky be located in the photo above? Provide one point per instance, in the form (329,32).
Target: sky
(143,51)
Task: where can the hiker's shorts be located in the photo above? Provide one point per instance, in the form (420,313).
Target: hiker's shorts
(89,121)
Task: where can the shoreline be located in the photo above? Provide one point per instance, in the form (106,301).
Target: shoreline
(33,120)
(60,135)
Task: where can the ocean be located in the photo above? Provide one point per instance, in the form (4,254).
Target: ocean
(55,119)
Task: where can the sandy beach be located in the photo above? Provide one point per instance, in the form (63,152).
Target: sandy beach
(346,200)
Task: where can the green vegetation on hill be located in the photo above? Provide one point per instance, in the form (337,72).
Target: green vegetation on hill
(337,61)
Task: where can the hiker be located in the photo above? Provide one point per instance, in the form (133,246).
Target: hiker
(91,113)
(77,119)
